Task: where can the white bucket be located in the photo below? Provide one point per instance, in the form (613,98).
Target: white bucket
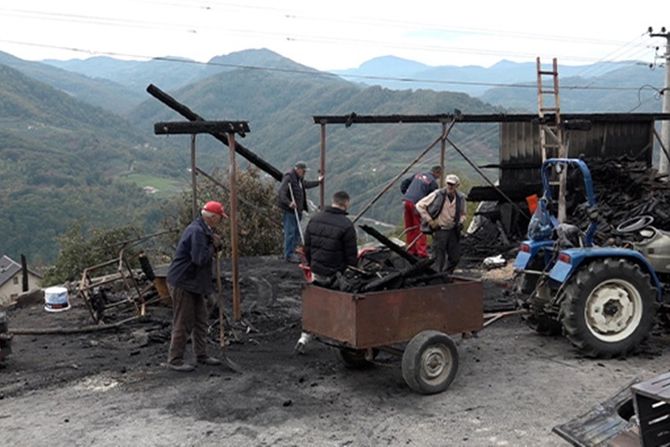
(56,299)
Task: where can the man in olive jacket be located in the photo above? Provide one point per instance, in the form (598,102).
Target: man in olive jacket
(292,199)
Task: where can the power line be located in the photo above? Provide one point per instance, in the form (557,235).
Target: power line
(288,14)
(312,72)
(619,52)
(143,24)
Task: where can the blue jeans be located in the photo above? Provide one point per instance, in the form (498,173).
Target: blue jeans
(291,233)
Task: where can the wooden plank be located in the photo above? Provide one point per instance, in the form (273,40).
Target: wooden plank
(484,118)
(221,136)
(195,127)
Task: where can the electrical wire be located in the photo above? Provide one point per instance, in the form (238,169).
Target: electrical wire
(313,72)
(88,19)
(372,21)
(640,103)
(609,57)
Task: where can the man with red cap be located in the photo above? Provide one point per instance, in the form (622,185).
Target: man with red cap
(190,280)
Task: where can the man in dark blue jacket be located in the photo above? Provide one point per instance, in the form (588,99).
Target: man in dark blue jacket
(419,187)
(190,281)
(292,199)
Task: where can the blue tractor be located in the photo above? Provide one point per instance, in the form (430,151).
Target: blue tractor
(605,300)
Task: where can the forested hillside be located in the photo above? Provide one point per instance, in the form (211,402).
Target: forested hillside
(98,92)
(626,89)
(65,161)
(362,158)
(59,163)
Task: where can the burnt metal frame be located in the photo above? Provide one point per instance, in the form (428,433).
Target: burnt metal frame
(447,120)
(124,272)
(452,119)
(229,128)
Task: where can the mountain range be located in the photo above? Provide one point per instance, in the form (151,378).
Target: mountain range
(598,87)
(76,142)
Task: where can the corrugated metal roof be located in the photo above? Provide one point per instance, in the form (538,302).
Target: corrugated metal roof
(521,155)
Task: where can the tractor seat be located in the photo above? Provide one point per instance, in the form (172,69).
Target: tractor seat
(569,236)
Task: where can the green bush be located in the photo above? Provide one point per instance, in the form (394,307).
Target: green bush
(259,218)
(79,251)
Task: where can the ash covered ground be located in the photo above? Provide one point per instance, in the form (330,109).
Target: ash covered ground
(111,388)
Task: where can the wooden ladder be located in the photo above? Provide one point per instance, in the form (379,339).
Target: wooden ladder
(551,132)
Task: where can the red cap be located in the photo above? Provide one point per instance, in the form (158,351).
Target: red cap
(214,207)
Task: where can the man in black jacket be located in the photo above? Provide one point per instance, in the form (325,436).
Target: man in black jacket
(292,199)
(330,245)
(330,239)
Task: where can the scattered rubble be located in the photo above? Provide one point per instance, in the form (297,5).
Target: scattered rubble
(624,189)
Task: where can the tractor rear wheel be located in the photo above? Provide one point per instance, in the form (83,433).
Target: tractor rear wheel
(609,308)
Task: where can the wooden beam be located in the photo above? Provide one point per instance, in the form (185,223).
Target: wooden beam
(222,137)
(484,118)
(195,127)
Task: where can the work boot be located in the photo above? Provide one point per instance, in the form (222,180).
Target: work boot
(294,259)
(299,347)
(302,342)
(212,361)
(181,367)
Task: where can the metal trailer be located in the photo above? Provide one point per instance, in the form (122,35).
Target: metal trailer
(414,323)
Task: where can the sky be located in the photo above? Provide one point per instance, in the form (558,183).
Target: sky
(340,34)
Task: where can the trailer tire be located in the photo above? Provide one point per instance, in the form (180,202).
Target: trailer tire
(430,362)
(353,358)
(609,308)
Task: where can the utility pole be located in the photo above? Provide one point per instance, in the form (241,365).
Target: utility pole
(663,165)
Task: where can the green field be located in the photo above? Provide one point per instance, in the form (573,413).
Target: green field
(166,187)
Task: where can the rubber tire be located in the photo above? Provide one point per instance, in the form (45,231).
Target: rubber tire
(578,290)
(412,364)
(353,358)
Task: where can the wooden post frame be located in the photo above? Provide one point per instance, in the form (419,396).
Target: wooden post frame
(443,150)
(322,169)
(232,176)
(194,180)
(229,128)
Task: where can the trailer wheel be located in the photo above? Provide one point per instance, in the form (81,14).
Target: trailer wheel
(430,362)
(609,308)
(354,358)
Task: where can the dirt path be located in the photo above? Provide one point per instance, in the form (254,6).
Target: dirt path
(110,389)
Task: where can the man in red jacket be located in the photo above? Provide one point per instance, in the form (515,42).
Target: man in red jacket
(418,187)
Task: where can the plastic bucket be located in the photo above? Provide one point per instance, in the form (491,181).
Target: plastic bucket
(56,299)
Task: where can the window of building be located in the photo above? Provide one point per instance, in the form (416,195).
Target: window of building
(15,280)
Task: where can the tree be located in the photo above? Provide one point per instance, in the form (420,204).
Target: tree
(77,252)
(259,224)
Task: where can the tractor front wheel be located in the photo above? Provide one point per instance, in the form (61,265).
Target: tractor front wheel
(609,308)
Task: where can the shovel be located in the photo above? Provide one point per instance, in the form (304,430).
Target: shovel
(306,269)
(297,216)
(222,318)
